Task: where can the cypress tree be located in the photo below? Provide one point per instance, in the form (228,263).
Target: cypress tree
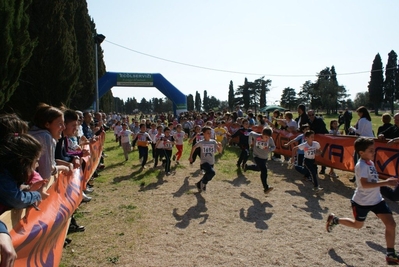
(390,86)
(231,96)
(376,83)
(51,75)
(16,45)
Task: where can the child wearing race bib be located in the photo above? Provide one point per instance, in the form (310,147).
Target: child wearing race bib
(168,142)
(179,136)
(208,149)
(311,149)
(153,133)
(367,197)
(124,135)
(262,145)
(142,139)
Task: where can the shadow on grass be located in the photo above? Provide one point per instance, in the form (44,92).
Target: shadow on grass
(151,186)
(194,212)
(135,176)
(337,258)
(256,213)
(241,179)
(183,188)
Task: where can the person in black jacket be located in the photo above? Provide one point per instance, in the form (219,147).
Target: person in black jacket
(303,117)
(243,134)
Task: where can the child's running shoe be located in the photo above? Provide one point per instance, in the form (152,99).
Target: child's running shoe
(392,259)
(317,190)
(268,189)
(332,221)
(201,186)
(174,157)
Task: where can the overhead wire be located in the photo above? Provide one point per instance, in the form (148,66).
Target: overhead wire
(239,72)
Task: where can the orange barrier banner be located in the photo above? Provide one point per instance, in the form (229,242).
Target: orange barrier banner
(38,235)
(338,151)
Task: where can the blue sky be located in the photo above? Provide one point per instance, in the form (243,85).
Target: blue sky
(288,42)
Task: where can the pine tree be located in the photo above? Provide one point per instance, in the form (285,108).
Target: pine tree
(16,45)
(390,87)
(376,84)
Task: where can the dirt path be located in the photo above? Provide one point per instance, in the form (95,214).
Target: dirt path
(167,223)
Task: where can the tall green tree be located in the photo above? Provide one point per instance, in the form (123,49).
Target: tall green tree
(190,102)
(231,96)
(205,101)
(306,95)
(242,97)
(197,101)
(376,84)
(391,88)
(52,74)
(328,91)
(16,45)
(85,29)
(288,98)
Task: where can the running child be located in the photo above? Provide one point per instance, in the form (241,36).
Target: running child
(311,149)
(142,139)
(167,142)
(153,133)
(367,197)
(125,135)
(208,149)
(221,133)
(299,167)
(243,134)
(158,145)
(179,136)
(262,145)
(195,138)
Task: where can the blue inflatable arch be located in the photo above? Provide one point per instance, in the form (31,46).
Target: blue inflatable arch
(111,79)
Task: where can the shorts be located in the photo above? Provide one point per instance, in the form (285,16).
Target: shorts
(360,212)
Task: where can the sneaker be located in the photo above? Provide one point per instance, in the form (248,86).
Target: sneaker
(76,228)
(392,259)
(322,172)
(199,186)
(202,172)
(174,157)
(144,167)
(267,190)
(168,173)
(203,187)
(88,190)
(332,221)
(317,190)
(333,175)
